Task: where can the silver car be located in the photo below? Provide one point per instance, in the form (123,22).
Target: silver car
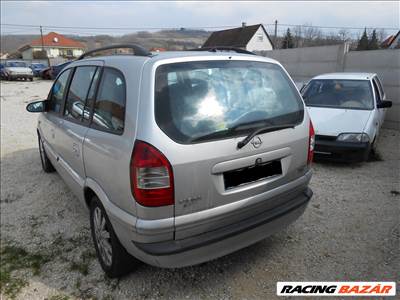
(181,157)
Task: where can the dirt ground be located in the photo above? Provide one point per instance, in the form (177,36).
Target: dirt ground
(349,232)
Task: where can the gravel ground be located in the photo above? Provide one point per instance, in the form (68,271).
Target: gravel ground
(349,232)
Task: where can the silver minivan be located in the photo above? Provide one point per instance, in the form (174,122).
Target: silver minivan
(181,157)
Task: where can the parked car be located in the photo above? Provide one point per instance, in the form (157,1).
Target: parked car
(347,110)
(181,157)
(2,72)
(17,70)
(37,68)
(53,71)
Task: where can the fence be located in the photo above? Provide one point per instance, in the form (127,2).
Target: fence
(305,63)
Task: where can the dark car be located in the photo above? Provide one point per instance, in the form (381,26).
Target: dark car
(2,72)
(52,72)
(37,68)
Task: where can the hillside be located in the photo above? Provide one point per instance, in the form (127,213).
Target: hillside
(169,39)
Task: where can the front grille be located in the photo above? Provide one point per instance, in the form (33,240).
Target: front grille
(325,138)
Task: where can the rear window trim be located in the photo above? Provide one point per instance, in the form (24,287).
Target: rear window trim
(240,133)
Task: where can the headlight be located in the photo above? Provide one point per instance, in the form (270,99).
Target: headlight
(353,137)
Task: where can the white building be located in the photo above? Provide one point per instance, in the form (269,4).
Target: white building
(251,38)
(55,45)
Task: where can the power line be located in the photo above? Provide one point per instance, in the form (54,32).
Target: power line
(195,27)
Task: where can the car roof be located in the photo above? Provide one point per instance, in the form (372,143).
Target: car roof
(346,75)
(159,56)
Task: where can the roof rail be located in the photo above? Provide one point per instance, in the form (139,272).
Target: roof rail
(223,48)
(138,50)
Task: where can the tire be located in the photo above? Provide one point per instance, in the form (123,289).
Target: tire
(112,256)
(46,163)
(31,78)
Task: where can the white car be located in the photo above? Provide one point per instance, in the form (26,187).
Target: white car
(347,110)
(17,70)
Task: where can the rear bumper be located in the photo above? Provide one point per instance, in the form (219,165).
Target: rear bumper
(273,211)
(272,220)
(341,151)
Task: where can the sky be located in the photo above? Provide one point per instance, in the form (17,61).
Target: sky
(191,14)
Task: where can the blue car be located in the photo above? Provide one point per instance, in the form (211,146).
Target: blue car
(52,72)
(37,68)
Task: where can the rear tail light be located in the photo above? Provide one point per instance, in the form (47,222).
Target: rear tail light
(152,180)
(311,143)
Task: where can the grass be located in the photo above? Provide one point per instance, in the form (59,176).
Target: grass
(15,258)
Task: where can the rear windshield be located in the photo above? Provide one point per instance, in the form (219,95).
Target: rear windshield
(345,94)
(209,98)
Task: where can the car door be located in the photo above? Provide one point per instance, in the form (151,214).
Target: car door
(51,119)
(75,120)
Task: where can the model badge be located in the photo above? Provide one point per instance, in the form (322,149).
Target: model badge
(256,142)
(189,201)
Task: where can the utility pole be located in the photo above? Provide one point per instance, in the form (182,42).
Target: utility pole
(43,51)
(276,31)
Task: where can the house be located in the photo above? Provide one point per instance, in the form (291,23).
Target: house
(56,45)
(251,38)
(392,42)
(157,49)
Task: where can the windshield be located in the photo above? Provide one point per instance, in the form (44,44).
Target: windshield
(16,64)
(198,99)
(346,94)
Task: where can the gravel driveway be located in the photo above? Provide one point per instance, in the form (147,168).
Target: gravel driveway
(349,232)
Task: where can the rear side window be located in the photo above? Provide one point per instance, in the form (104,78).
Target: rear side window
(78,91)
(211,100)
(57,92)
(109,108)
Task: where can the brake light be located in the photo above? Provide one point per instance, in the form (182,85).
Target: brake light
(311,143)
(152,181)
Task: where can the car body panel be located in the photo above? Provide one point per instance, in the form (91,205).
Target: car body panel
(333,121)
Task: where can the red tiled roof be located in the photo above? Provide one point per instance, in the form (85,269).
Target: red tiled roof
(54,39)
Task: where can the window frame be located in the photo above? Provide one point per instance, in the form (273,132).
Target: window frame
(377,94)
(380,87)
(93,125)
(50,95)
(81,121)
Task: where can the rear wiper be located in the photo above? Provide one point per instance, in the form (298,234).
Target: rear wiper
(263,129)
(225,131)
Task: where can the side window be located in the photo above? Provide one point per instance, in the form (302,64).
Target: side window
(58,91)
(91,95)
(379,84)
(109,108)
(78,91)
(376,90)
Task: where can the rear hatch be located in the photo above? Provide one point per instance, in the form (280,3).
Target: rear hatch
(205,109)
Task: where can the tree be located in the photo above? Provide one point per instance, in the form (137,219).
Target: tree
(373,42)
(363,42)
(288,40)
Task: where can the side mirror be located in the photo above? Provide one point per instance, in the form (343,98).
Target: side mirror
(384,104)
(37,106)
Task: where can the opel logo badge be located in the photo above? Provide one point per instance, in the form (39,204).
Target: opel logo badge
(256,142)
